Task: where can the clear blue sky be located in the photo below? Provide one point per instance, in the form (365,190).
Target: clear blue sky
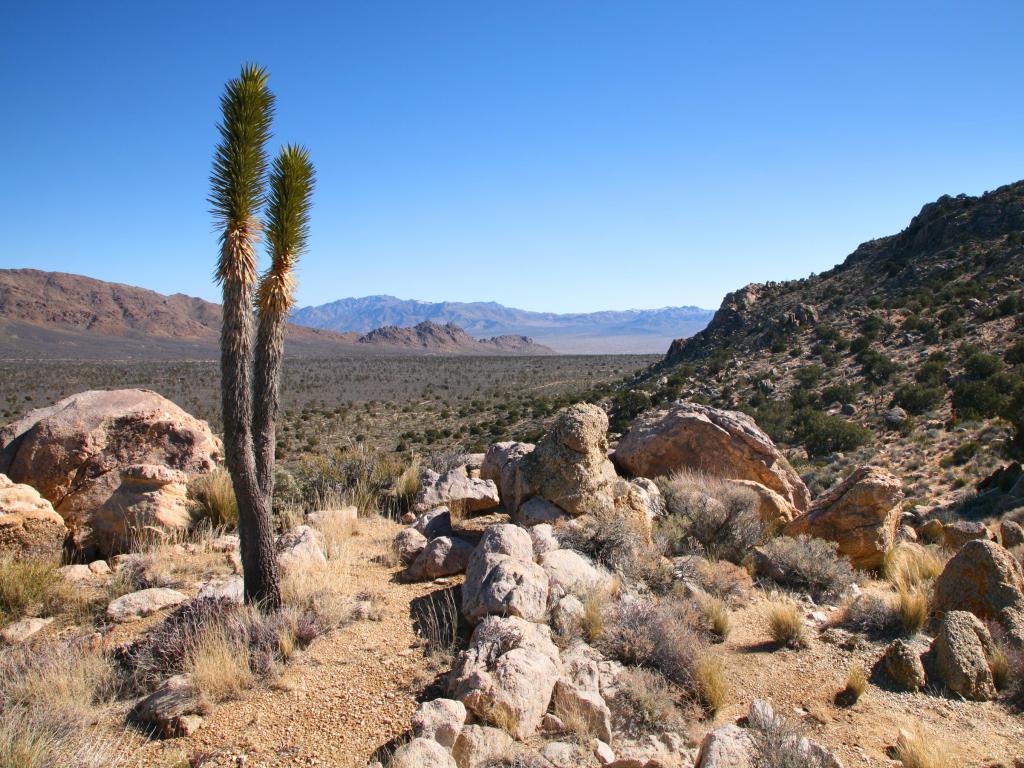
(554,155)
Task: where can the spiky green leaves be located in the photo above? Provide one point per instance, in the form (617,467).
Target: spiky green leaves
(290,198)
(239,171)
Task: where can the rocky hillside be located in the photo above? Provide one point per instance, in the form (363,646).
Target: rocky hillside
(59,315)
(911,349)
(450,339)
(632,331)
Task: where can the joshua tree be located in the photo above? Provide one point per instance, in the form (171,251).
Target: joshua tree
(238,192)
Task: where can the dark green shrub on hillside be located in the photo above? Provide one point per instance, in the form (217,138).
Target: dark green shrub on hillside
(871,327)
(1015,354)
(932,373)
(918,399)
(839,393)
(981,365)
(626,406)
(822,434)
(950,315)
(876,367)
(860,344)
(808,375)
(977,400)
(1010,305)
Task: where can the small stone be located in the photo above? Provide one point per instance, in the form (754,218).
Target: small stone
(603,752)
(20,631)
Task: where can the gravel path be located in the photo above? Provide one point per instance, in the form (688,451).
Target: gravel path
(348,694)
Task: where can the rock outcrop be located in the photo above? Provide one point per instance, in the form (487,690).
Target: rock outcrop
(986,580)
(503,465)
(502,579)
(138,605)
(443,556)
(74,452)
(719,443)
(962,649)
(151,501)
(861,514)
(455,489)
(903,666)
(29,527)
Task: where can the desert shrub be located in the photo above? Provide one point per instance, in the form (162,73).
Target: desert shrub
(786,623)
(716,616)
(615,542)
(711,516)
(214,500)
(876,367)
(981,365)
(445,460)
(365,478)
(218,663)
(644,702)
(659,633)
(977,400)
(1015,353)
(931,373)
(822,434)
(808,376)
(29,586)
(856,684)
(778,744)
(809,565)
(913,606)
(918,399)
(839,393)
(720,578)
(873,615)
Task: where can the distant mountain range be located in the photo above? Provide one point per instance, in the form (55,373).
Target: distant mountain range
(630,331)
(54,315)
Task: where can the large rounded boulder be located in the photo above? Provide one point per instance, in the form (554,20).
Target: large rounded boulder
(716,442)
(28,525)
(74,452)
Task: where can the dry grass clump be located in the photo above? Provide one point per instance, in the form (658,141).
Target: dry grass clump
(915,750)
(778,744)
(219,663)
(856,684)
(644,702)
(719,578)
(716,616)
(436,619)
(375,482)
(886,616)
(712,685)
(214,499)
(786,623)
(336,531)
(710,516)
(29,587)
(910,565)
(807,564)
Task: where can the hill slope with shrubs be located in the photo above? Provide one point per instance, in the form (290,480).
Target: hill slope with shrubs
(909,353)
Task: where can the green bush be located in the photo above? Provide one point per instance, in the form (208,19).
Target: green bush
(806,564)
(977,400)
(981,365)
(918,399)
(822,434)
(876,367)
(839,393)
(931,373)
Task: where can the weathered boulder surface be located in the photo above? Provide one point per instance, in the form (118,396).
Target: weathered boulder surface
(433,523)
(507,673)
(440,720)
(1011,533)
(572,702)
(903,666)
(772,507)
(570,572)
(480,745)
(719,443)
(22,630)
(151,500)
(499,585)
(172,709)
(503,465)
(984,579)
(73,452)
(137,605)
(961,649)
(422,753)
(408,544)
(537,511)
(29,527)
(861,515)
(570,466)
(727,747)
(443,556)
(299,548)
(455,488)
(959,532)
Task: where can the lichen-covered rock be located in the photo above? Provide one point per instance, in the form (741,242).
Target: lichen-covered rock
(861,515)
(984,579)
(959,532)
(570,466)
(569,571)
(587,706)
(137,605)
(536,511)
(408,544)
(507,673)
(903,666)
(22,630)
(440,720)
(455,488)
(543,538)
(727,747)
(230,588)
(772,507)
(480,745)
(433,523)
(1011,534)
(443,556)
(503,465)
(29,527)
(961,649)
(719,443)
(500,585)
(73,452)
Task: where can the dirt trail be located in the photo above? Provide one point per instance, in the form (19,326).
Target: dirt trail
(348,694)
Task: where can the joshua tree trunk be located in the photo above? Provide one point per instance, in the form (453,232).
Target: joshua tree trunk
(269,354)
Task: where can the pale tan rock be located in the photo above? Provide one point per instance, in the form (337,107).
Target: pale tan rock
(507,673)
(959,532)
(570,572)
(719,443)
(422,753)
(150,497)
(22,630)
(299,548)
(73,452)
(727,747)
(455,488)
(443,556)
(861,515)
(170,708)
(503,465)
(772,507)
(962,648)
(480,745)
(499,585)
(574,704)
(408,544)
(29,526)
(137,605)
(440,720)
